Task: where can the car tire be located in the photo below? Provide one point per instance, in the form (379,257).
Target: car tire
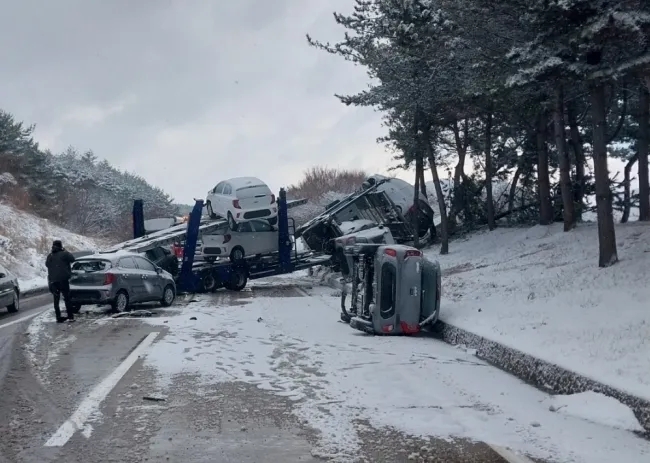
(168,296)
(237,254)
(208,207)
(231,222)
(121,302)
(76,308)
(15,305)
(273,221)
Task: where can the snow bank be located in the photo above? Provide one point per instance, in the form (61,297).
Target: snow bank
(25,241)
(297,348)
(539,290)
(597,408)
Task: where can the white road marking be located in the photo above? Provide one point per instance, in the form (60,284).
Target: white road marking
(22,319)
(509,455)
(91,403)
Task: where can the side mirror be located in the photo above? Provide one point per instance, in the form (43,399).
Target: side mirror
(159,270)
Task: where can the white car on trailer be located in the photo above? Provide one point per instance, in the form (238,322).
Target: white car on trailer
(241,199)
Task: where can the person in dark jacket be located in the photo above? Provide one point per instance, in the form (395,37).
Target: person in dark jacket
(58,264)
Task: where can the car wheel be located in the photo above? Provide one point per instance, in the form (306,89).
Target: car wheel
(121,302)
(15,305)
(168,296)
(231,222)
(237,254)
(211,213)
(273,221)
(76,308)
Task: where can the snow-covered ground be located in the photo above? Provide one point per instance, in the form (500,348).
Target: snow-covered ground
(297,348)
(25,241)
(540,290)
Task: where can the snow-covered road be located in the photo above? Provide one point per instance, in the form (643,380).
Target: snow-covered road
(293,345)
(270,375)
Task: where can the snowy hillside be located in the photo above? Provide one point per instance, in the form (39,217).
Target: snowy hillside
(540,291)
(25,241)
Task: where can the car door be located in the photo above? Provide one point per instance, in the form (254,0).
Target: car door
(6,288)
(226,200)
(131,279)
(215,199)
(152,280)
(265,237)
(244,237)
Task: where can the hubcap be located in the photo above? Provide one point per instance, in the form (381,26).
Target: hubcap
(238,254)
(121,302)
(169,296)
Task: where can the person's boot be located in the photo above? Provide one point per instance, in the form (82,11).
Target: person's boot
(61,319)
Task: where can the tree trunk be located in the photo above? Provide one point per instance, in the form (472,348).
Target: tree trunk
(578,149)
(423,185)
(644,139)
(565,165)
(488,172)
(606,234)
(416,201)
(513,190)
(627,201)
(544,183)
(444,226)
(459,170)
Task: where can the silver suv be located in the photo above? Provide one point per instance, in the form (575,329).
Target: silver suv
(119,279)
(9,290)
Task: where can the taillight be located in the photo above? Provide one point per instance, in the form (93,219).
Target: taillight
(272,198)
(390,252)
(226,238)
(235,204)
(413,253)
(109,279)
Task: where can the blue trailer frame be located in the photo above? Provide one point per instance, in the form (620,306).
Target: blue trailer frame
(204,277)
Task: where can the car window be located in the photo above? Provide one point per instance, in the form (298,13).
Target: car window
(261,226)
(219,188)
(144,264)
(126,262)
(244,227)
(90,265)
(227,189)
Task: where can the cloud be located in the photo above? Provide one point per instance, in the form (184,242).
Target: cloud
(188,92)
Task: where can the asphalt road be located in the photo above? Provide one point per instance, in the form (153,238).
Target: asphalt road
(55,378)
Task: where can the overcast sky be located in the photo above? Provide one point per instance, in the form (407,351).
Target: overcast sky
(189,92)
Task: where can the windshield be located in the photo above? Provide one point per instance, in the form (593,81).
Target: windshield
(91,265)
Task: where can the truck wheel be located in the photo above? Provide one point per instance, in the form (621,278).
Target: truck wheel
(209,283)
(238,280)
(15,305)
